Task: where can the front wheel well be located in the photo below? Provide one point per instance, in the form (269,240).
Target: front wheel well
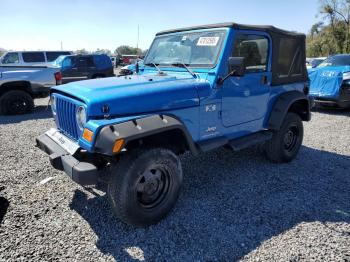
(17,85)
(174,140)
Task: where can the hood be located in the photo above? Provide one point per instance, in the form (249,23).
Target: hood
(326,81)
(135,94)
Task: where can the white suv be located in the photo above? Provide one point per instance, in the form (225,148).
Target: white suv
(31,58)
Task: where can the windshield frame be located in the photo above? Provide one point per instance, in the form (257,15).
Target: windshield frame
(223,30)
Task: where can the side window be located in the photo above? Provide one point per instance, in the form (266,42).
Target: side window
(68,62)
(255,49)
(289,58)
(33,57)
(52,56)
(90,62)
(85,61)
(10,58)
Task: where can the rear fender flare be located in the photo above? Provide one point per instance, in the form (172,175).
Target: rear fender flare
(284,104)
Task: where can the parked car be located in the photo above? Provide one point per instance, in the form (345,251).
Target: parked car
(314,62)
(115,61)
(31,58)
(202,88)
(19,87)
(131,69)
(82,67)
(330,81)
(128,59)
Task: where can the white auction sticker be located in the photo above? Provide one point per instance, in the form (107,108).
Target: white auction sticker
(208,41)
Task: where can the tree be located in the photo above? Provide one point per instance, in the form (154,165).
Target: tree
(103,51)
(332,35)
(82,51)
(128,50)
(316,28)
(338,14)
(2,51)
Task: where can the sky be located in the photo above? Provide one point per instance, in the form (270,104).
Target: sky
(107,24)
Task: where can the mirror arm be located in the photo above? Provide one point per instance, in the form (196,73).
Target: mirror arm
(221,80)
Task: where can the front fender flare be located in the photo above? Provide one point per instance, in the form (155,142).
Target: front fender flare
(139,128)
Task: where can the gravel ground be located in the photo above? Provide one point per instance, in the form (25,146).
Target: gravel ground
(233,205)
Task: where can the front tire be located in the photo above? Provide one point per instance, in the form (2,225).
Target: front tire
(286,142)
(16,102)
(145,185)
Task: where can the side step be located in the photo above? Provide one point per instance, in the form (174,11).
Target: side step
(250,140)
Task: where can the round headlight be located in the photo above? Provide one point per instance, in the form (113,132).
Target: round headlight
(81,117)
(53,104)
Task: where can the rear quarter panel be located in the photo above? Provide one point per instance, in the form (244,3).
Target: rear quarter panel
(38,77)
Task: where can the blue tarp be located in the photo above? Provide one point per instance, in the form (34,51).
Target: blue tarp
(326,81)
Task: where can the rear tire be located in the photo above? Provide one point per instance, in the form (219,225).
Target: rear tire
(286,142)
(145,185)
(16,102)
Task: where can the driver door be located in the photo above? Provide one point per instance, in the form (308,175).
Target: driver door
(245,99)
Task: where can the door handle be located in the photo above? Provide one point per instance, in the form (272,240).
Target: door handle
(264,80)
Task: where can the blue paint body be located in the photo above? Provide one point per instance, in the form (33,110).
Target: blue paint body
(241,106)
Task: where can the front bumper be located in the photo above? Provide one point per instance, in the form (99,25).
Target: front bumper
(83,173)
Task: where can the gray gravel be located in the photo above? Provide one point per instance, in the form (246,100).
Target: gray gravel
(233,205)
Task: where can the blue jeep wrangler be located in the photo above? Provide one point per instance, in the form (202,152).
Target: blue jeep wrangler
(201,88)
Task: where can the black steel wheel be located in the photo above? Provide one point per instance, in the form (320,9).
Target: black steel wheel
(286,142)
(144,185)
(16,102)
(153,186)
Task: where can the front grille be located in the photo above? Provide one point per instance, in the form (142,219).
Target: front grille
(66,119)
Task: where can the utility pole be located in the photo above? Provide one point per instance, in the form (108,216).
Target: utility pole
(138,37)
(61,46)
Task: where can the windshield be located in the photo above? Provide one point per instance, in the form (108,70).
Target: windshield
(58,61)
(339,60)
(198,49)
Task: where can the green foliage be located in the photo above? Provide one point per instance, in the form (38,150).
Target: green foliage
(2,51)
(82,52)
(103,51)
(128,50)
(334,37)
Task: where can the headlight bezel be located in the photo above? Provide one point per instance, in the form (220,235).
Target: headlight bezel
(81,117)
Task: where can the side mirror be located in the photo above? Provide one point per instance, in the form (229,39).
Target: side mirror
(236,66)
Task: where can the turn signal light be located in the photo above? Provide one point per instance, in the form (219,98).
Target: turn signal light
(88,135)
(118,145)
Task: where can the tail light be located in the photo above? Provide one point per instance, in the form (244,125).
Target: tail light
(58,78)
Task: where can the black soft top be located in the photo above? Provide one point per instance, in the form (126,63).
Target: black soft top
(266,28)
(288,56)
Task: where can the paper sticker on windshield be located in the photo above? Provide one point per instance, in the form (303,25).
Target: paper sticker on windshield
(208,41)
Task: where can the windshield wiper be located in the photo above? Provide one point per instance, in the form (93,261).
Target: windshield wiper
(156,67)
(183,65)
